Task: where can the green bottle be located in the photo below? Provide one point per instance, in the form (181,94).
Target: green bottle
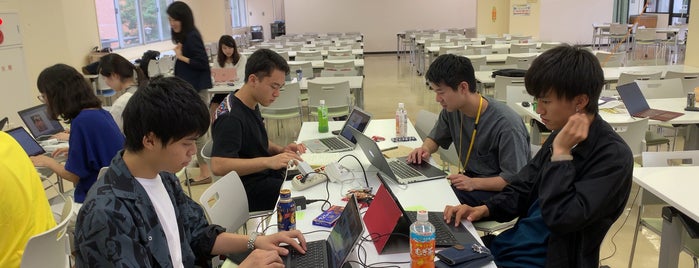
(322,117)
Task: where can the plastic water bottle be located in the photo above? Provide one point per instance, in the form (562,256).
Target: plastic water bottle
(422,242)
(322,117)
(401,121)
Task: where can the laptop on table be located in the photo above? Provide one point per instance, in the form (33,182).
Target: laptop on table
(637,105)
(39,122)
(332,252)
(222,75)
(345,141)
(398,169)
(25,140)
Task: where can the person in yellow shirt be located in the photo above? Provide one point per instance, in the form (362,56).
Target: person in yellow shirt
(24,208)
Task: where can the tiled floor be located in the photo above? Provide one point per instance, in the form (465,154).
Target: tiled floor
(389,81)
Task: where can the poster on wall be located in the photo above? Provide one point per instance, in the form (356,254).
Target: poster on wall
(521,10)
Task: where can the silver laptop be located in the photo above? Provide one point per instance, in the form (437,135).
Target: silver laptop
(334,251)
(39,122)
(358,119)
(397,169)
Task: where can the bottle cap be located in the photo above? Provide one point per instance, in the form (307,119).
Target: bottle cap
(422,215)
(322,102)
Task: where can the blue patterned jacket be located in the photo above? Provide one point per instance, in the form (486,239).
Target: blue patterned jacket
(117,225)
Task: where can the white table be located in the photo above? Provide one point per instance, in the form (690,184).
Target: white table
(356,86)
(611,74)
(292,54)
(675,186)
(412,196)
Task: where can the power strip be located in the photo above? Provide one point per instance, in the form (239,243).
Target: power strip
(311,179)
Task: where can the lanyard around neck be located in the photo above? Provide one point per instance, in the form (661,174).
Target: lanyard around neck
(473,135)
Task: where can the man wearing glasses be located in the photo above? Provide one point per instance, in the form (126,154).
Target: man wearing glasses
(240,141)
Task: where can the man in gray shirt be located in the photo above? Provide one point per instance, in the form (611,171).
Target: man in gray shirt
(490,139)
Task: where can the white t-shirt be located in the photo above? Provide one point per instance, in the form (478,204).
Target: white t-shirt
(166,215)
(119,105)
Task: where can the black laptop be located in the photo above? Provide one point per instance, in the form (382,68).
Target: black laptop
(25,140)
(637,105)
(332,252)
(39,122)
(397,169)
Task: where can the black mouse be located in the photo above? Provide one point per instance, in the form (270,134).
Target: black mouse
(525,104)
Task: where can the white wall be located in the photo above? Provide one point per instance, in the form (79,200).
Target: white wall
(571,21)
(379,21)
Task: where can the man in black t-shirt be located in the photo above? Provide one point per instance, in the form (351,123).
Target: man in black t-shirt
(240,139)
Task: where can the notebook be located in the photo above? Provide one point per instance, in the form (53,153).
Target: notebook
(637,105)
(222,75)
(334,251)
(389,224)
(39,122)
(397,169)
(358,119)
(25,140)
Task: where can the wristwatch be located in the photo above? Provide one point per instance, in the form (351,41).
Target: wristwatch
(251,240)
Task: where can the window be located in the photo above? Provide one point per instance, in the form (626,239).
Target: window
(128,23)
(238,13)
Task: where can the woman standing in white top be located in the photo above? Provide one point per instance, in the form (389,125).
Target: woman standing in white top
(228,57)
(121,75)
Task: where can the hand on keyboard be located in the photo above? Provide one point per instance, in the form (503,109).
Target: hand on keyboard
(262,258)
(457,213)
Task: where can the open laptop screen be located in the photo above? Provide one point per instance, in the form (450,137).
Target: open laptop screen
(358,119)
(26,141)
(633,99)
(345,234)
(38,121)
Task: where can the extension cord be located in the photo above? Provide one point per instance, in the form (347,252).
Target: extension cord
(311,180)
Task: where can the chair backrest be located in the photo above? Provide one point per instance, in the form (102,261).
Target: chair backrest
(226,202)
(50,248)
(511,59)
(305,66)
(633,133)
(308,55)
(336,95)
(425,123)
(477,62)
(645,34)
(433,42)
(625,78)
(481,49)
(342,54)
(100,174)
(457,50)
(659,89)
(520,39)
(689,80)
(523,48)
(340,47)
(339,65)
(495,67)
(284,54)
(516,93)
(618,29)
(501,83)
(206,150)
(608,59)
(494,40)
(289,101)
(549,45)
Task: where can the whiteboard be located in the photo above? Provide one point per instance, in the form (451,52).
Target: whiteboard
(378,20)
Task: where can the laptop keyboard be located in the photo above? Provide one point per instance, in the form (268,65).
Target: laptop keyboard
(315,255)
(443,235)
(334,143)
(403,170)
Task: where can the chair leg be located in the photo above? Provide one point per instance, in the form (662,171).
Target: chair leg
(635,236)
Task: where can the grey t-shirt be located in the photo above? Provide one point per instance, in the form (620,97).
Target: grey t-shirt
(501,146)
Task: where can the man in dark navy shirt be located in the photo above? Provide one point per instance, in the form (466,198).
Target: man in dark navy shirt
(240,139)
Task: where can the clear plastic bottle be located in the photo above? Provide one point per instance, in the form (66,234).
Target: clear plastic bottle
(422,242)
(322,117)
(401,121)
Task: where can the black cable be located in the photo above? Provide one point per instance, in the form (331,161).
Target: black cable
(621,226)
(326,201)
(360,165)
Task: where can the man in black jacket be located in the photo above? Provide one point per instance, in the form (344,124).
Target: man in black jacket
(569,195)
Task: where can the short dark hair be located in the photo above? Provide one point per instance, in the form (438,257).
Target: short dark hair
(569,71)
(169,107)
(113,63)
(451,70)
(263,61)
(229,42)
(181,12)
(67,92)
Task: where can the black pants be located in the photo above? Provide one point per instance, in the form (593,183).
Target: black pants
(263,193)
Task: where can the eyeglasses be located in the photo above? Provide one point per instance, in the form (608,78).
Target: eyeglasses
(41,98)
